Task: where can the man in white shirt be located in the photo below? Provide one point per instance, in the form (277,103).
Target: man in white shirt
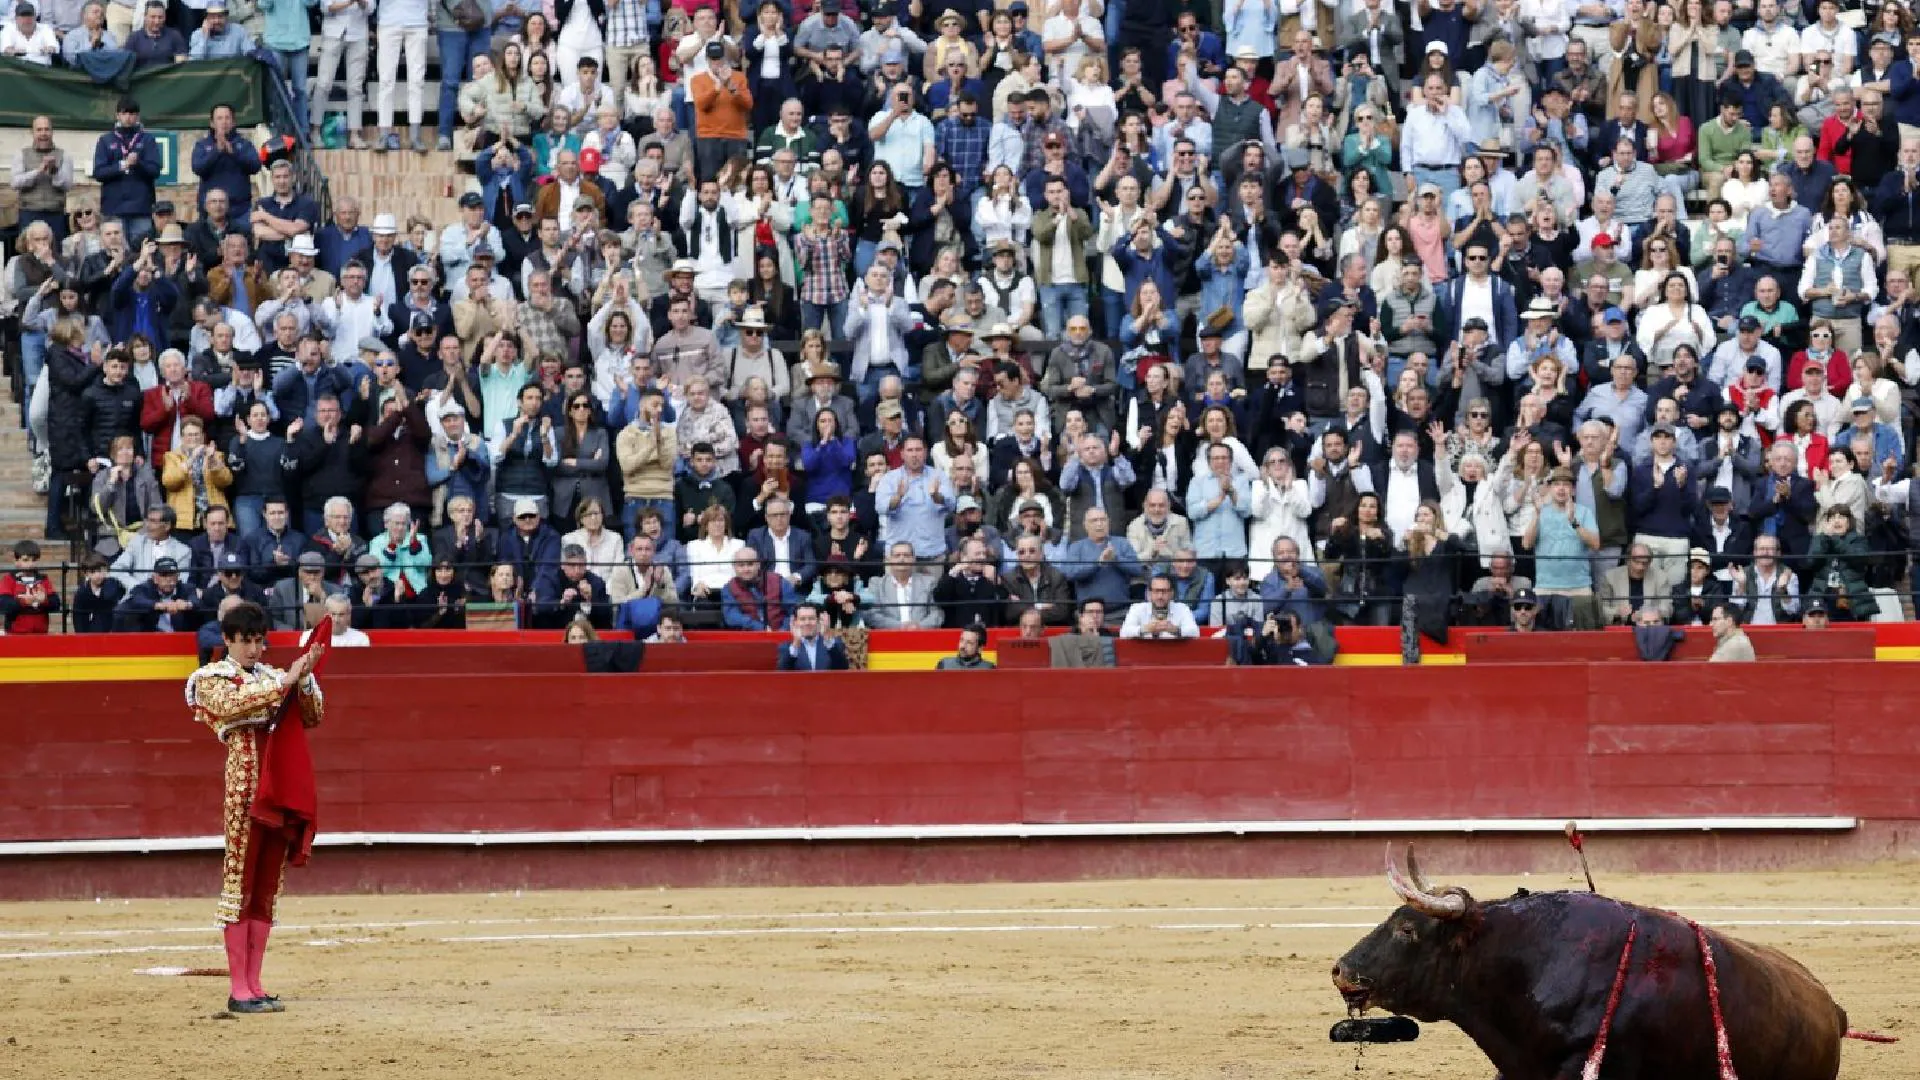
(585,97)
(1160,616)
(352,316)
(27,38)
(1434,139)
(1069,34)
(1827,35)
(710,239)
(1770,591)
(1829,412)
(1774,43)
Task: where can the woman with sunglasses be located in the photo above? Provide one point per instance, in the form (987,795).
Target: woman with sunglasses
(1659,257)
(581,473)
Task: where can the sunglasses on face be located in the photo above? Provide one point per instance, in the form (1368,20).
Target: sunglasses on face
(1476,258)
(1477,415)
(578,406)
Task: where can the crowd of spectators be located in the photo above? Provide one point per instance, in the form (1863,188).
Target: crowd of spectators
(1203,317)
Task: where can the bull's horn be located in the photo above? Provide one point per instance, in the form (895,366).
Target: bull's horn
(1450,906)
(1413,871)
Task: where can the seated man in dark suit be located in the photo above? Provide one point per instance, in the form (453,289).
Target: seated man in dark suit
(1086,646)
(809,650)
(163,602)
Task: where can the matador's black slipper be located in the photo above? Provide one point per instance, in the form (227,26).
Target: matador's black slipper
(1378,1029)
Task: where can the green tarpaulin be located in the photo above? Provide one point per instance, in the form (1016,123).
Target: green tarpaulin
(176,96)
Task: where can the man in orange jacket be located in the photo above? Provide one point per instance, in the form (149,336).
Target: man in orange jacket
(722,111)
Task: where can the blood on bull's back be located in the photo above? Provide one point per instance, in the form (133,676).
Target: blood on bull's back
(1537,978)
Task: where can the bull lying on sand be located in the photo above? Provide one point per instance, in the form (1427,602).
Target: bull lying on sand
(1529,979)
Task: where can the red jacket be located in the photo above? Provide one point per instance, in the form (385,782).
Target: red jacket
(158,412)
(1832,130)
(13,605)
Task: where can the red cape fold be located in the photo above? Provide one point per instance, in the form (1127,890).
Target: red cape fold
(286,798)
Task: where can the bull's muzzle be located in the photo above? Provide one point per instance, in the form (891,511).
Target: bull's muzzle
(1356,990)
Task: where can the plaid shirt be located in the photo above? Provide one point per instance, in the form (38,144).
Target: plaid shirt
(1034,134)
(824,262)
(964,148)
(627,23)
(546,332)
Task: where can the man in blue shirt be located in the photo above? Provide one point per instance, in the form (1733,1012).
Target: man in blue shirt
(913,501)
(1102,566)
(218,39)
(156,43)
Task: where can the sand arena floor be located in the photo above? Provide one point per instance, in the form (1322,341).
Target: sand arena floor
(1162,980)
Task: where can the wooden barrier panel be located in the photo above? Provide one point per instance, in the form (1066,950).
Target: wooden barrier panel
(549,659)
(520,752)
(1769,643)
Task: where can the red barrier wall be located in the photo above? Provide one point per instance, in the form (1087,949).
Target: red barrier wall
(456,753)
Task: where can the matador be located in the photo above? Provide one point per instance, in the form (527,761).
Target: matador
(239,697)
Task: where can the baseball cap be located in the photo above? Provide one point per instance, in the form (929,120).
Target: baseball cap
(367,561)
(1613,315)
(311,560)
(420,321)
(1743,58)
(1886,37)
(1755,363)
(165,566)
(525,508)
(1750,323)
(1525,598)
(1663,429)
(1814,606)
(887,410)
(1861,405)
(1025,505)
(1700,554)
(1428,189)
(163,207)
(1603,240)
(231,562)
(1717,494)
(522,208)
(965,503)
(717,49)
(471,200)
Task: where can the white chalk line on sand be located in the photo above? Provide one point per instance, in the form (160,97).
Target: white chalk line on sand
(795,916)
(903,928)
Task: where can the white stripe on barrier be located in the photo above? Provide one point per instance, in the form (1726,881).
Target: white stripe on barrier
(930,913)
(833,833)
(803,931)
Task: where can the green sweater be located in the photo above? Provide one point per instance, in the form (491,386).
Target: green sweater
(1719,147)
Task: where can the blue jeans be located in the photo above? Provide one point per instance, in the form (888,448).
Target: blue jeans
(1113,306)
(33,357)
(294,62)
(137,227)
(833,316)
(457,52)
(864,252)
(249,514)
(1058,303)
(630,515)
(1447,180)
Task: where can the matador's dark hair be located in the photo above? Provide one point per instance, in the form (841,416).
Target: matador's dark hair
(248,620)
